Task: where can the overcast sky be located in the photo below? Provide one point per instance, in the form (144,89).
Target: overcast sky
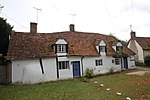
(99,16)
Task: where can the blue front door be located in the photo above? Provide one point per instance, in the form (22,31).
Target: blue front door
(76,69)
(125,60)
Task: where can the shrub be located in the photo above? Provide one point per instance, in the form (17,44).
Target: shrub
(89,73)
(111,70)
(5,83)
(139,64)
(147,60)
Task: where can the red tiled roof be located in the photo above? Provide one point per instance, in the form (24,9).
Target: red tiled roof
(144,42)
(25,45)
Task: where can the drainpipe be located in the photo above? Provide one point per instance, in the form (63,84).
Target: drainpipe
(57,67)
(82,63)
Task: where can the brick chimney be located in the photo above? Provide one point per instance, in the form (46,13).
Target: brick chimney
(71,26)
(33,28)
(133,34)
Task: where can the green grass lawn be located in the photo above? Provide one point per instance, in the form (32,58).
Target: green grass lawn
(133,86)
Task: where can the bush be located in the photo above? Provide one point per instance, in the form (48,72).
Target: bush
(147,60)
(89,73)
(139,64)
(111,70)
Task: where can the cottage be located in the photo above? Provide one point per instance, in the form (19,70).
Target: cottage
(38,57)
(140,45)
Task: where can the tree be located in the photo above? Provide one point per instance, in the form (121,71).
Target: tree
(5,31)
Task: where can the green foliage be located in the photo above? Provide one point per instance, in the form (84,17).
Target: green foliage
(5,31)
(89,73)
(139,64)
(111,70)
(133,86)
(5,83)
(147,60)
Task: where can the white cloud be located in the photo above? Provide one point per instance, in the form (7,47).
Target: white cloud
(102,16)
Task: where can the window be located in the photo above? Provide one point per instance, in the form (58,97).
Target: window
(102,48)
(113,61)
(117,61)
(119,48)
(61,48)
(63,64)
(99,62)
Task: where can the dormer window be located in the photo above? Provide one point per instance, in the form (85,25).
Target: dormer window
(61,48)
(102,48)
(119,48)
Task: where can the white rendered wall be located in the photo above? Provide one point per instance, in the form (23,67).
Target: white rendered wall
(89,62)
(68,73)
(29,71)
(61,41)
(119,44)
(140,52)
(131,62)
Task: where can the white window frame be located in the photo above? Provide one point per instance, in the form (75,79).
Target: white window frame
(61,48)
(99,62)
(102,48)
(117,61)
(63,65)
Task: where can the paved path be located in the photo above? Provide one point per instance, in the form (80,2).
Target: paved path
(141,71)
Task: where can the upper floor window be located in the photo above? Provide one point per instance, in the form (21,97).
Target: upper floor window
(61,48)
(119,48)
(102,48)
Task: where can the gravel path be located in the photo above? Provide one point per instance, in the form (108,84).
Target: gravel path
(142,71)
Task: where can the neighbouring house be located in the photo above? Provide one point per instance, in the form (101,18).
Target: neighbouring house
(38,57)
(140,45)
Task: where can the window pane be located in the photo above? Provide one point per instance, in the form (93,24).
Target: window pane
(118,48)
(98,62)
(102,49)
(63,65)
(117,61)
(61,48)
(58,48)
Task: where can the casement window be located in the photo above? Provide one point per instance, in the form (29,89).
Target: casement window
(63,64)
(119,48)
(113,61)
(61,48)
(102,48)
(99,62)
(117,61)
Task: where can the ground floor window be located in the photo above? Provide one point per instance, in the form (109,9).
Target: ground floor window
(117,61)
(99,62)
(63,64)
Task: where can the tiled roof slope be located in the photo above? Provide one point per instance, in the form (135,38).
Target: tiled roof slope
(144,42)
(25,45)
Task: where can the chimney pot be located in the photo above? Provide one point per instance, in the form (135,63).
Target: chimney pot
(33,28)
(72,29)
(133,34)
